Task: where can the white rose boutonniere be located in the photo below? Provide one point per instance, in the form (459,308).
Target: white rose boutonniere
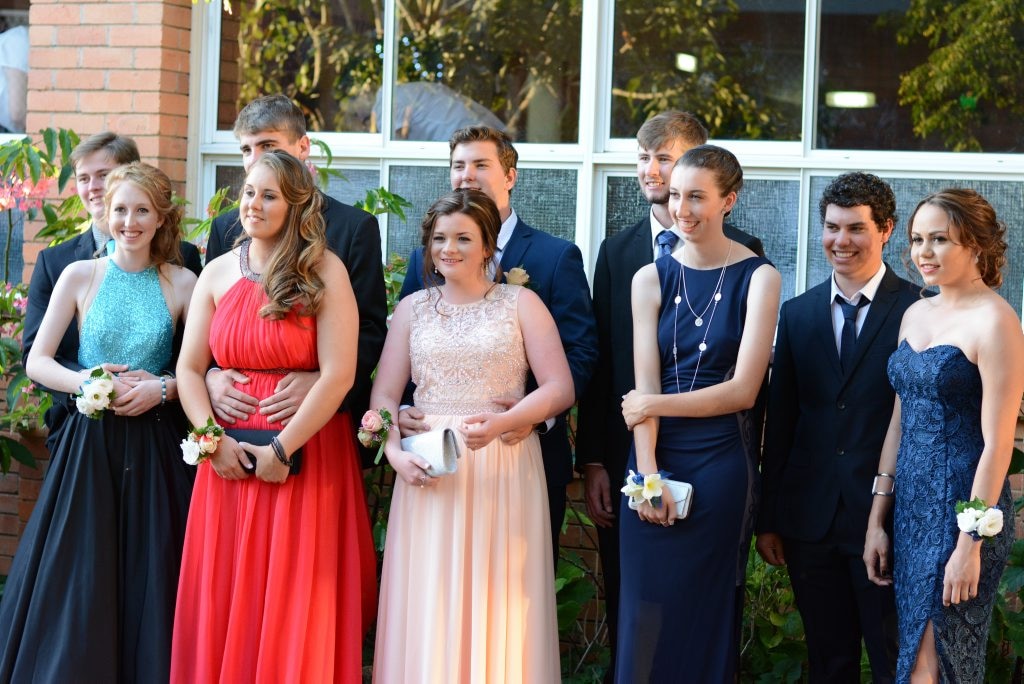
(978,520)
(517,276)
(95,394)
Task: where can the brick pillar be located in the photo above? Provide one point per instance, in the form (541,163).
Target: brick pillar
(112,65)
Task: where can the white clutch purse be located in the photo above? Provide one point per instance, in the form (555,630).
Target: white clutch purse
(680,492)
(440,448)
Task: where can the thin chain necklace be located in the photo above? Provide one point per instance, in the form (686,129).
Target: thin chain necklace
(698,319)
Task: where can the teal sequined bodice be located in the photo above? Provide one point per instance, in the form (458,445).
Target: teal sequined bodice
(128,322)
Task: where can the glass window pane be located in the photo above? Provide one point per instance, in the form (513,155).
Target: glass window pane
(767,208)
(889,89)
(511,64)
(736,65)
(326,56)
(350,189)
(543,198)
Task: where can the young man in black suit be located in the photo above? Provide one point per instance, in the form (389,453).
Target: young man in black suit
(602,440)
(92,159)
(829,406)
(274,122)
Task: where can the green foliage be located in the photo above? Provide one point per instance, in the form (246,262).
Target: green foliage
(975,67)
(1005,652)
(25,403)
(719,92)
(381,201)
(772,647)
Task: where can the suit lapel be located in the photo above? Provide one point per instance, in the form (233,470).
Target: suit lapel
(518,244)
(878,313)
(639,252)
(821,322)
(86,247)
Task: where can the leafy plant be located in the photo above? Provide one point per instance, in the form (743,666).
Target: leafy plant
(26,403)
(975,67)
(772,645)
(1005,653)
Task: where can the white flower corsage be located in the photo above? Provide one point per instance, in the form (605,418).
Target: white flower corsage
(373,430)
(517,276)
(978,520)
(640,487)
(95,394)
(201,442)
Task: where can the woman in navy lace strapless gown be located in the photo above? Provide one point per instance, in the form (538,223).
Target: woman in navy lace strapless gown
(703,330)
(90,596)
(958,373)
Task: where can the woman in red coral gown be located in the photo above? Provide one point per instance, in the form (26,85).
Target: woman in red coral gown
(278,572)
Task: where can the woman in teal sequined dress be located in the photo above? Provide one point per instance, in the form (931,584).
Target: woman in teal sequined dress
(90,595)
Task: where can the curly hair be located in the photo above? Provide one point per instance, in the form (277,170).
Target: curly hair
(980,230)
(290,277)
(154,183)
(856,189)
(474,204)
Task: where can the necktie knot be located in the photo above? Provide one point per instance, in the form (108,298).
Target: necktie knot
(666,242)
(850,310)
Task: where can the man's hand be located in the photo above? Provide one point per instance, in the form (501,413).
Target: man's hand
(410,422)
(598,495)
(517,435)
(769,546)
(229,402)
(289,394)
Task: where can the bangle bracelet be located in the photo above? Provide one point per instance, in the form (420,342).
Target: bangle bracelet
(875,491)
(275,444)
(163,390)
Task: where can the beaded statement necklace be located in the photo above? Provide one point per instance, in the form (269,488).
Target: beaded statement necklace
(698,319)
(243,263)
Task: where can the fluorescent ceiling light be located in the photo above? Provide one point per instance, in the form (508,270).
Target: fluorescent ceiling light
(686,62)
(850,99)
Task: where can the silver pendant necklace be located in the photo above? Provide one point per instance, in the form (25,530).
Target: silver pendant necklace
(698,319)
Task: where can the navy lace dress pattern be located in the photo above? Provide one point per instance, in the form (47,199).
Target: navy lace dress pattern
(940,393)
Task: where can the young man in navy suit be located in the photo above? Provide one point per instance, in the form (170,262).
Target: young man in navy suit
(828,410)
(484,158)
(602,440)
(92,159)
(275,122)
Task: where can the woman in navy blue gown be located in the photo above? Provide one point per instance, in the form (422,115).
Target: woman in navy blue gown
(703,321)
(959,374)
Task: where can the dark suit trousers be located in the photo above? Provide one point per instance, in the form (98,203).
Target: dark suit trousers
(839,606)
(608,549)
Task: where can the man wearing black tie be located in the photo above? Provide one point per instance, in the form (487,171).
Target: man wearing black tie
(829,406)
(602,440)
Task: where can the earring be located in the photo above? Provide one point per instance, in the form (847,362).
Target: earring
(436,271)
